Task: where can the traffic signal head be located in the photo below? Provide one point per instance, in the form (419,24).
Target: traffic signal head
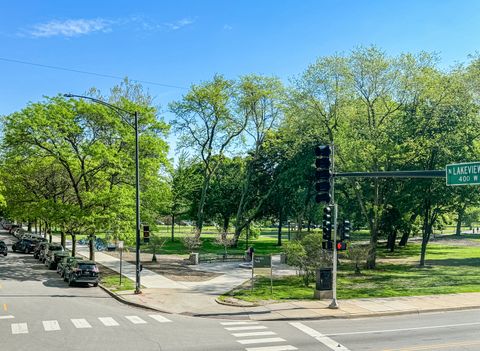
(146,234)
(327,224)
(346,230)
(323,174)
(341,246)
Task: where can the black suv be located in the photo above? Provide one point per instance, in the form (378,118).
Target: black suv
(3,248)
(49,252)
(82,272)
(24,245)
(65,263)
(52,260)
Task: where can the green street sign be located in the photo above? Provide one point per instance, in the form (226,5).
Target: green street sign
(262,261)
(463,173)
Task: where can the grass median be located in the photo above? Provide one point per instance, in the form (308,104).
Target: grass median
(449,269)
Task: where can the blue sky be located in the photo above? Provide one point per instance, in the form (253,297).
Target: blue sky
(183,42)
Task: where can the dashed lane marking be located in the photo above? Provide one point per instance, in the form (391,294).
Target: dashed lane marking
(19,328)
(51,325)
(108,321)
(159,318)
(81,323)
(264,333)
(135,319)
(253,327)
(7,317)
(260,341)
(330,343)
(5,308)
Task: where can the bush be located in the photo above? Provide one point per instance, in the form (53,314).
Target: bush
(357,254)
(191,241)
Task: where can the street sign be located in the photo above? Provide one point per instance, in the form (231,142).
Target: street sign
(262,261)
(120,245)
(463,173)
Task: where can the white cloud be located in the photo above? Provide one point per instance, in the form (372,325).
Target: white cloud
(179,24)
(227,27)
(70,28)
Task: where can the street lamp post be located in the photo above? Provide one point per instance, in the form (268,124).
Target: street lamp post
(118,110)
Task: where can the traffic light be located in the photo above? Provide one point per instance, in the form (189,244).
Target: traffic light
(327,223)
(146,234)
(341,246)
(323,174)
(346,228)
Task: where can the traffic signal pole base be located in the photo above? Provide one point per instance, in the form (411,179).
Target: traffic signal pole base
(334,304)
(137,291)
(323,294)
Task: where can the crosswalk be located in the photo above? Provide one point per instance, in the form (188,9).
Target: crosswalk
(82,323)
(251,333)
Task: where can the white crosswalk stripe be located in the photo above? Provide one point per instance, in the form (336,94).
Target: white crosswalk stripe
(246,329)
(51,325)
(243,335)
(253,327)
(108,321)
(259,341)
(135,320)
(19,328)
(159,318)
(273,348)
(81,323)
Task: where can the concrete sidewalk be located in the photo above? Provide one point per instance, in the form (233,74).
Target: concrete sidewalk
(200,298)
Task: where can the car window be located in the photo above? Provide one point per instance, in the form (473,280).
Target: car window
(86,266)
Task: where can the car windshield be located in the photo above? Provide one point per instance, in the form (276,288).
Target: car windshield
(89,267)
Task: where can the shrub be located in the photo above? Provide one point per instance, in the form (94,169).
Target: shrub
(357,254)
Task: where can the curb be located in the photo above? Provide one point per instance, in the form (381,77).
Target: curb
(130,303)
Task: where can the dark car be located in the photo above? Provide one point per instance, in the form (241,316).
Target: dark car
(49,252)
(52,260)
(82,272)
(65,263)
(38,247)
(3,248)
(42,252)
(24,245)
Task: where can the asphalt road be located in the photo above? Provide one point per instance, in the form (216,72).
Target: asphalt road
(38,311)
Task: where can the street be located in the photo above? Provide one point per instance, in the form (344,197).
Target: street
(39,311)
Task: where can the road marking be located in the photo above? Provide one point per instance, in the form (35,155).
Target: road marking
(19,328)
(108,321)
(253,327)
(273,348)
(330,343)
(7,317)
(238,323)
(135,319)
(260,341)
(241,335)
(5,307)
(159,318)
(80,323)
(50,325)
(437,346)
(407,329)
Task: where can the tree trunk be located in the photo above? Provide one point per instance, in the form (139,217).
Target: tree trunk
(406,233)
(74,245)
(29,226)
(427,228)
(91,246)
(280,222)
(173,227)
(201,205)
(392,237)
(458,230)
(62,238)
(226,223)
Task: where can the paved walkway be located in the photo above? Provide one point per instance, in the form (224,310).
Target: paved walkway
(199,298)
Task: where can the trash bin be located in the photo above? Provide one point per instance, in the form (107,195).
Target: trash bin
(324,279)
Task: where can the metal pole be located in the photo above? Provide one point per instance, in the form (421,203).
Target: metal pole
(137,208)
(334,303)
(121,257)
(253,266)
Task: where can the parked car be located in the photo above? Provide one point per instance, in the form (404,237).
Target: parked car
(24,245)
(50,251)
(3,248)
(43,251)
(52,260)
(65,263)
(38,248)
(82,272)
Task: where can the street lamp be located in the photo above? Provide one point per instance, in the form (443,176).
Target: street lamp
(119,111)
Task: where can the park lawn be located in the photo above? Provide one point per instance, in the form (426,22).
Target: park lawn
(449,269)
(111,280)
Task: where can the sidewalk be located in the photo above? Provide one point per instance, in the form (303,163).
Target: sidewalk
(200,298)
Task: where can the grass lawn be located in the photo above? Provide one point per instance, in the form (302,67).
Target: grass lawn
(111,280)
(449,269)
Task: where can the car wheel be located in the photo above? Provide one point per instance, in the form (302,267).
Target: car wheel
(65,278)
(95,284)
(14,249)
(26,250)
(5,254)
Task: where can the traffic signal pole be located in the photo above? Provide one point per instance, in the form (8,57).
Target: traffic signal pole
(334,303)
